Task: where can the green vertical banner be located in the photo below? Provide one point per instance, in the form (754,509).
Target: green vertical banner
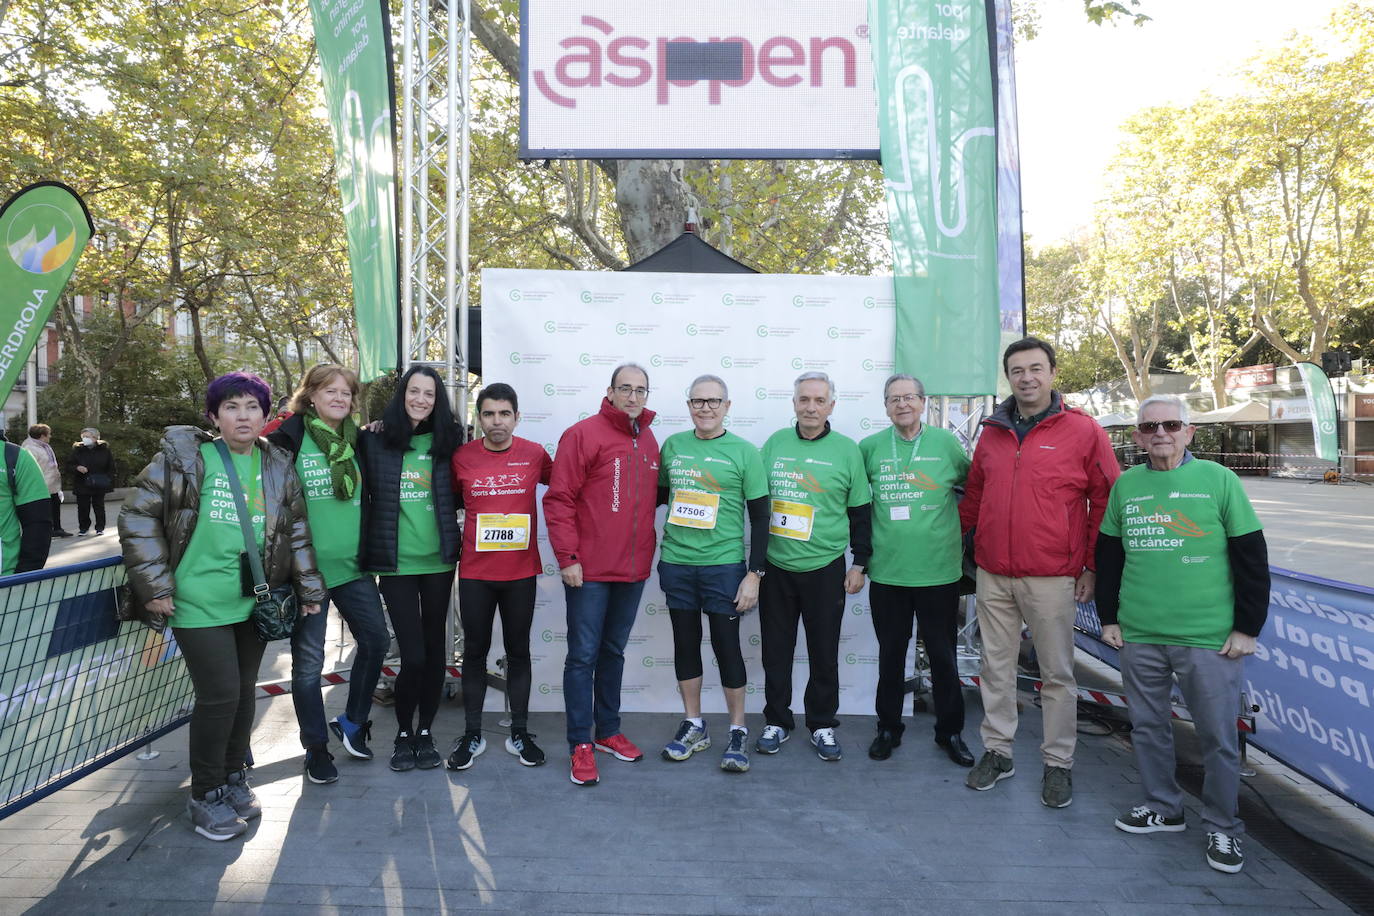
(354,40)
(939,151)
(1322,400)
(44,227)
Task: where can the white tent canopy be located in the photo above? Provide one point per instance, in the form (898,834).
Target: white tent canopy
(1244,412)
(1115,419)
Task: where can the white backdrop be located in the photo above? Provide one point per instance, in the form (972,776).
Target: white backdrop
(556,335)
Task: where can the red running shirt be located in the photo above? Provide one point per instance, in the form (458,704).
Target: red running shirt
(500,529)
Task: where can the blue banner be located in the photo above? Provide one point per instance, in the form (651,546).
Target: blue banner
(1312,676)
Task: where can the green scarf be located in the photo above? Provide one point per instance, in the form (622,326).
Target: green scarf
(337,446)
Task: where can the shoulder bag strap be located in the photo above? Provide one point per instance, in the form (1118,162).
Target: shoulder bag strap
(250,543)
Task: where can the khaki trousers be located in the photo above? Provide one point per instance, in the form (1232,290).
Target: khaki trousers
(1046,604)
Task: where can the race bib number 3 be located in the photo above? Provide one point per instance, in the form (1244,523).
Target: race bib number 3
(791,520)
(694,509)
(502,532)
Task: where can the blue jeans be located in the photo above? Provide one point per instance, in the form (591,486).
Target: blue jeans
(600,615)
(361,608)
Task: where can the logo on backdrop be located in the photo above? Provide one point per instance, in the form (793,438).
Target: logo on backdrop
(41,239)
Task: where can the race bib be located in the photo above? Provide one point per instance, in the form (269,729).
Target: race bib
(900,513)
(791,520)
(694,509)
(502,532)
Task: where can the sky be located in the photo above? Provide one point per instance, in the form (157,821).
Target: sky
(1076,83)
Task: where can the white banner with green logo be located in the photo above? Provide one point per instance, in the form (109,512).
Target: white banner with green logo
(1322,401)
(45,228)
(353,37)
(939,149)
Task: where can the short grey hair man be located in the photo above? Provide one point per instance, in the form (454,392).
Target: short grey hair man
(903,377)
(724,389)
(615,373)
(1169,399)
(813,376)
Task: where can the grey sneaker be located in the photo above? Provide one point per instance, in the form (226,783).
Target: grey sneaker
(688,740)
(1144,819)
(771,740)
(241,797)
(1223,852)
(827,748)
(736,756)
(214,818)
(1056,787)
(992,768)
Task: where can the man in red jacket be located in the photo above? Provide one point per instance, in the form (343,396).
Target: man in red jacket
(599,511)
(1035,497)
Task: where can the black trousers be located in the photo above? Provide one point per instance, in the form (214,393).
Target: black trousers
(223,664)
(418,608)
(935,609)
(478,601)
(85,502)
(816,598)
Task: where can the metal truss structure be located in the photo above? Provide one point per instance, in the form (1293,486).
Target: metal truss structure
(436,59)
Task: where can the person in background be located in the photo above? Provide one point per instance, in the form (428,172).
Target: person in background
(39,445)
(92,467)
(410,538)
(183,547)
(321,436)
(25,524)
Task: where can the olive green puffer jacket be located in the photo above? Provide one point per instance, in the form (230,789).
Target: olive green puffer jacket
(159,515)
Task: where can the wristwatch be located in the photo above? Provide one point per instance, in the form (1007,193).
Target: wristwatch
(759,572)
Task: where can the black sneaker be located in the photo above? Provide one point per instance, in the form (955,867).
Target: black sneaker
(521,744)
(468,749)
(403,757)
(426,754)
(319,765)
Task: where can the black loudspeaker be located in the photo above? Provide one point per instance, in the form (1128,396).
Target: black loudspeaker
(1336,362)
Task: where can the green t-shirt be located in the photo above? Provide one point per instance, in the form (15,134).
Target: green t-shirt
(28,480)
(916,539)
(209,592)
(811,485)
(335,524)
(708,481)
(417,531)
(1176,587)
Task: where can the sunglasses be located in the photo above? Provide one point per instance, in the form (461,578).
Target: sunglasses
(1150,426)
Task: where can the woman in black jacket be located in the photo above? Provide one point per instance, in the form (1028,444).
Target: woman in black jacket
(92,467)
(410,539)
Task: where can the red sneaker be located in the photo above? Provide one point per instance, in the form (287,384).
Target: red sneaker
(584,766)
(623,748)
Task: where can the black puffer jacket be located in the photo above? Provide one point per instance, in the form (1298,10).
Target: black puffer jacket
(96,459)
(381,475)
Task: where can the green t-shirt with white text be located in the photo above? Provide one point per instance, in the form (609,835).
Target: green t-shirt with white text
(1176,588)
(812,483)
(916,538)
(335,524)
(709,481)
(28,481)
(209,591)
(417,530)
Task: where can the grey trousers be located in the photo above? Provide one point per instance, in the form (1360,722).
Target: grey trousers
(1211,686)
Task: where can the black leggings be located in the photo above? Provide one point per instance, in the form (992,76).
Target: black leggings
(478,600)
(724,642)
(223,664)
(418,608)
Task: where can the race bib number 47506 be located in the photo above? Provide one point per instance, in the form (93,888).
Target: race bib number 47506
(791,520)
(502,532)
(694,509)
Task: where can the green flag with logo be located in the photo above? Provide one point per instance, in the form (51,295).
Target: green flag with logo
(939,149)
(1322,401)
(45,227)
(354,41)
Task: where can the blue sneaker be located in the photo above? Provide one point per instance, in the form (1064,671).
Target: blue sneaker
(772,739)
(688,740)
(354,738)
(736,757)
(827,748)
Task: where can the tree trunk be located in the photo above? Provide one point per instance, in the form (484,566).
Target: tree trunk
(653,201)
(198,343)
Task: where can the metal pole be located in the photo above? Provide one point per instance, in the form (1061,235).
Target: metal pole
(462,266)
(408,174)
(31,374)
(452,176)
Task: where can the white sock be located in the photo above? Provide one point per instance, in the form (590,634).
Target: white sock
(698,722)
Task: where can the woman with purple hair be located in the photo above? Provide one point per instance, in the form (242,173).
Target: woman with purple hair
(184,549)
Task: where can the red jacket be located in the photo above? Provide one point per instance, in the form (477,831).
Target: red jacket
(599,509)
(1037,504)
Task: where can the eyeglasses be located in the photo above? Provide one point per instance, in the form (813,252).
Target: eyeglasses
(627,391)
(905,398)
(1150,426)
(703,403)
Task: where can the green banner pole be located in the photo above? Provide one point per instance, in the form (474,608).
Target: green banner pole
(1321,399)
(353,38)
(45,227)
(939,151)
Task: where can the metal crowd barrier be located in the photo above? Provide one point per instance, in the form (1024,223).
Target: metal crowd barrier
(78,689)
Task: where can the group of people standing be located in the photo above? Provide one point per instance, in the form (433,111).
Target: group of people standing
(369,517)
